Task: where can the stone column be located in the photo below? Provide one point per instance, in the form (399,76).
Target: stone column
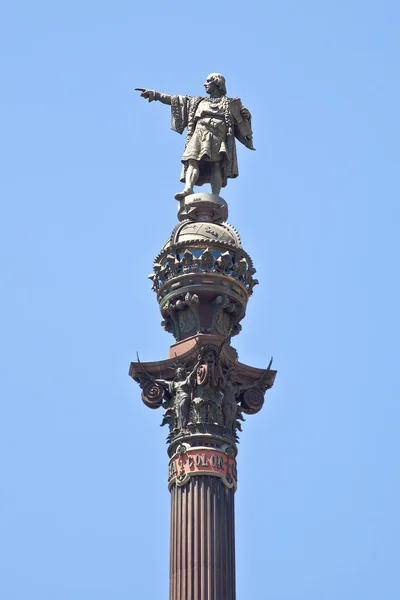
(202,559)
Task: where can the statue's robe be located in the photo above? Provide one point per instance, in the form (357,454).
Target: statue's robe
(212,125)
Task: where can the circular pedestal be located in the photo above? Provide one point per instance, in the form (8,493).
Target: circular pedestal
(203,207)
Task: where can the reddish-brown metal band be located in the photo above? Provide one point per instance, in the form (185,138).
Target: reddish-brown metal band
(201,460)
(202,564)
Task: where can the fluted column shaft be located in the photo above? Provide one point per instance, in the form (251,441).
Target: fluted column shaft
(202,558)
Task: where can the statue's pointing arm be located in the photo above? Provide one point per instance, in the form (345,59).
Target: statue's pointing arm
(152,95)
(179,107)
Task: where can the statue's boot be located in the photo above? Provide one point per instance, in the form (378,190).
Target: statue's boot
(183,193)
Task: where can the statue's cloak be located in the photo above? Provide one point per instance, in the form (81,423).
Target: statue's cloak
(211,131)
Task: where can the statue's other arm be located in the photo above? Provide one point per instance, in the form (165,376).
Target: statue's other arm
(162,382)
(242,117)
(152,95)
(192,373)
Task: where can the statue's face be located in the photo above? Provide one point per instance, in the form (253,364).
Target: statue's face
(180,373)
(209,357)
(210,85)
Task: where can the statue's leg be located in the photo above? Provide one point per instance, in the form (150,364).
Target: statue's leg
(179,415)
(216,178)
(192,175)
(185,412)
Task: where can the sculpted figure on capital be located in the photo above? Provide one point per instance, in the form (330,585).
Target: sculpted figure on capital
(197,397)
(212,125)
(207,395)
(180,390)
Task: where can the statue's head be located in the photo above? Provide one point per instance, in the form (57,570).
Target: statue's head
(209,354)
(180,373)
(215,80)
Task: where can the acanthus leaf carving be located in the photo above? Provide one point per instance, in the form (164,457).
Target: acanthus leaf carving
(209,393)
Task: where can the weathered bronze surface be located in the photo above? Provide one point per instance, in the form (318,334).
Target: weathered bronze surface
(212,125)
(203,389)
(203,279)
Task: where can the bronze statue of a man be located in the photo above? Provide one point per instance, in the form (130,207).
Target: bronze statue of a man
(212,125)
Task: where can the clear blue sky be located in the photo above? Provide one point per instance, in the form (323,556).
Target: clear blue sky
(88,173)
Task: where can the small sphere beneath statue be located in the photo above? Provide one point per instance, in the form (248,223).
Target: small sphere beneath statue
(203,207)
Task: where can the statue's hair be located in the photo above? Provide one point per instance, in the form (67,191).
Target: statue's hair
(220,82)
